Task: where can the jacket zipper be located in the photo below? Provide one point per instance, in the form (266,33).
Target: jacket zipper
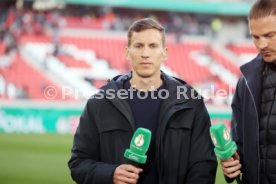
(161,136)
(258,123)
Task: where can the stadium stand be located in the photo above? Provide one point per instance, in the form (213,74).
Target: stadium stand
(51,36)
(27,80)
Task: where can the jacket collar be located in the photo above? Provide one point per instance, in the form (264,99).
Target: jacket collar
(121,104)
(172,85)
(252,73)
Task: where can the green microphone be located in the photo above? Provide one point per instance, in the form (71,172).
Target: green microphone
(139,146)
(222,140)
(224,146)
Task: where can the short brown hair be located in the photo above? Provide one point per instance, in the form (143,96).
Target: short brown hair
(262,8)
(144,24)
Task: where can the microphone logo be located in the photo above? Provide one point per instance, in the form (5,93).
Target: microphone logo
(213,139)
(139,140)
(226,134)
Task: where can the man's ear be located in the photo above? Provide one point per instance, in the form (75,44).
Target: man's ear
(127,53)
(165,53)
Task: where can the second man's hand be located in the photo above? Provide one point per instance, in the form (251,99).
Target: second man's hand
(231,167)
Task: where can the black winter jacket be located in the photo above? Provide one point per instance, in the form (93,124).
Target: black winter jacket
(184,150)
(246,114)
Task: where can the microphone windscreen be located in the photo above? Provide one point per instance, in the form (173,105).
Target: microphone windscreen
(139,146)
(222,140)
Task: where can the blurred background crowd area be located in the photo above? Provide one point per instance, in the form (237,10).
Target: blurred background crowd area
(76,46)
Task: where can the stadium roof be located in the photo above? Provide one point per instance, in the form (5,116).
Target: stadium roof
(217,7)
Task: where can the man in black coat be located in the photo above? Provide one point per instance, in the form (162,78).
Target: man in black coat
(181,150)
(254,106)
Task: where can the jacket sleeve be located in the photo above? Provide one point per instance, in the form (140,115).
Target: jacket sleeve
(236,125)
(85,164)
(202,161)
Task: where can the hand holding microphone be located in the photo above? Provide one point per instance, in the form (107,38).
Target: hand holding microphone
(226,151)
(126,173)
(136,155)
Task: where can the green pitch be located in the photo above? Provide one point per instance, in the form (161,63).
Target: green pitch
(39,158)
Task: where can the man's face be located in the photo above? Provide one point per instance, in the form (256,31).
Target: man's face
(146,53)
(263,32)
